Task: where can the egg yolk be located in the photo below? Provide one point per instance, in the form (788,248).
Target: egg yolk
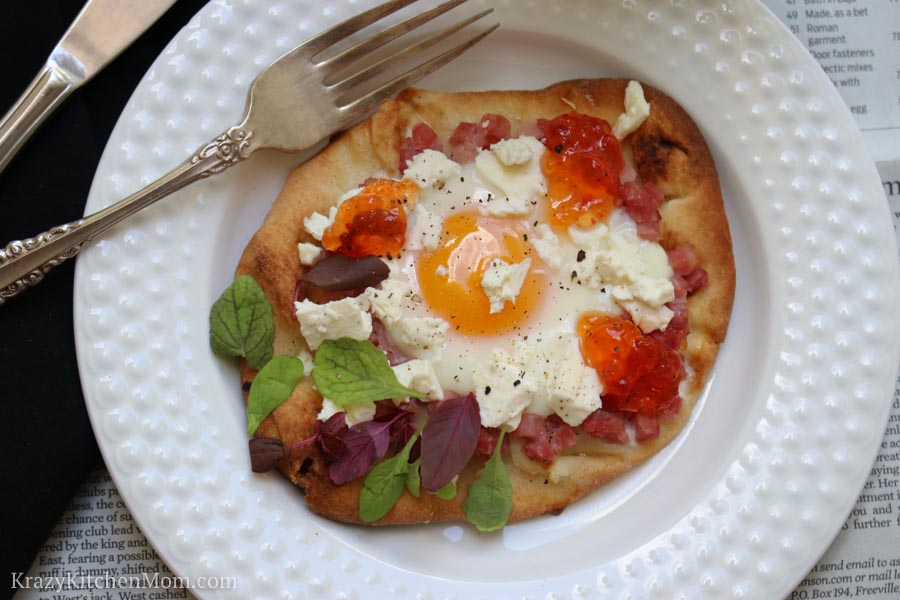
(450,276)
(373,222)
(583,165)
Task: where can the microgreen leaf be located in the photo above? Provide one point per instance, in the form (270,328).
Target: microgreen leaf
(384,484)
(272,386)
(349,371)
(449,440)
(358,459)
(241,323)
(488,502)
(264,453)
(413,481)
(447,492)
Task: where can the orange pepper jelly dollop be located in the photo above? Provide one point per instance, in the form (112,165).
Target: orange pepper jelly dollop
(639,372)
(582,166)
(373,222)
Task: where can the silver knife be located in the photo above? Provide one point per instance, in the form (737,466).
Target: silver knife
(99,33)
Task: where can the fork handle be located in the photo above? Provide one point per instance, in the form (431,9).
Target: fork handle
(46,91)
(23,263)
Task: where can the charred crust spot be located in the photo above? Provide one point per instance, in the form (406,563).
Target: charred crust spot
(656,154)
(245,386)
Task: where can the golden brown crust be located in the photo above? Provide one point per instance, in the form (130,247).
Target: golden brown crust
(668,150)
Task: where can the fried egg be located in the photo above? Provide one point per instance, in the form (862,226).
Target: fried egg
(457,233)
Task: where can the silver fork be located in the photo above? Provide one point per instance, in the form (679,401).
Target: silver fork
(296,102)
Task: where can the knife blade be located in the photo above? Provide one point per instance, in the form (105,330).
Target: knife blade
(98,34)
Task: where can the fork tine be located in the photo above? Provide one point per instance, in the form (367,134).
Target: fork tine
(344,58)
(367,102)
(335,34)
(386,63)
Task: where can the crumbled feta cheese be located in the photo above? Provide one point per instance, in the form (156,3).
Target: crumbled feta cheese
(503,281)
(634,272)
(574,387)
(544,376)
(306,357)
(348,317)
(513,152)
(648,319)
(388,303)
(637,109)
(425,229)
(431,169)
(419,337)
(309,253)
(514,187)
(501,400)
(546,244)
(419,375)
(353,413)
(316,223)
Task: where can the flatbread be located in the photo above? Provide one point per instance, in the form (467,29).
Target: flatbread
(668,151)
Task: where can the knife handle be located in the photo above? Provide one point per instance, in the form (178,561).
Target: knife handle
(47,90)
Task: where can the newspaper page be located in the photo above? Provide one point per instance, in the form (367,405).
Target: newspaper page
(97,551)
(857,44)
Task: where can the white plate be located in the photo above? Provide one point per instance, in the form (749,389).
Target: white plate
(740,505)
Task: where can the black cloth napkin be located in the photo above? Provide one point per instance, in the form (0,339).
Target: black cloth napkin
(46,443)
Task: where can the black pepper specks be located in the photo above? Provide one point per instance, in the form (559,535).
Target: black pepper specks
(581,255)
(487,390)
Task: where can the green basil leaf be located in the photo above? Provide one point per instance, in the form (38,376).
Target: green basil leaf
(413,479)
(241,323)
(348,371)
(488,502)
(272,386)
(384,484)
(448,492)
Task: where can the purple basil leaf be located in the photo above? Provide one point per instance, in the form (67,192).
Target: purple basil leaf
(339,273)
(264,453)
(448,440)
(357,461)
(379,431)
(332,446)
(402,430)
(335,425)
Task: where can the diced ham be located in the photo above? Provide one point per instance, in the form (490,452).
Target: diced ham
(646,427)
(487,441)
(468,138)
(607,425)
(546,436)
(642,203)
(465,143)
(696,280)
(670,409)
(496,128)
(683,259)
(562,437)
(689,277)
(531,426)
(422,138)
(677,329)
